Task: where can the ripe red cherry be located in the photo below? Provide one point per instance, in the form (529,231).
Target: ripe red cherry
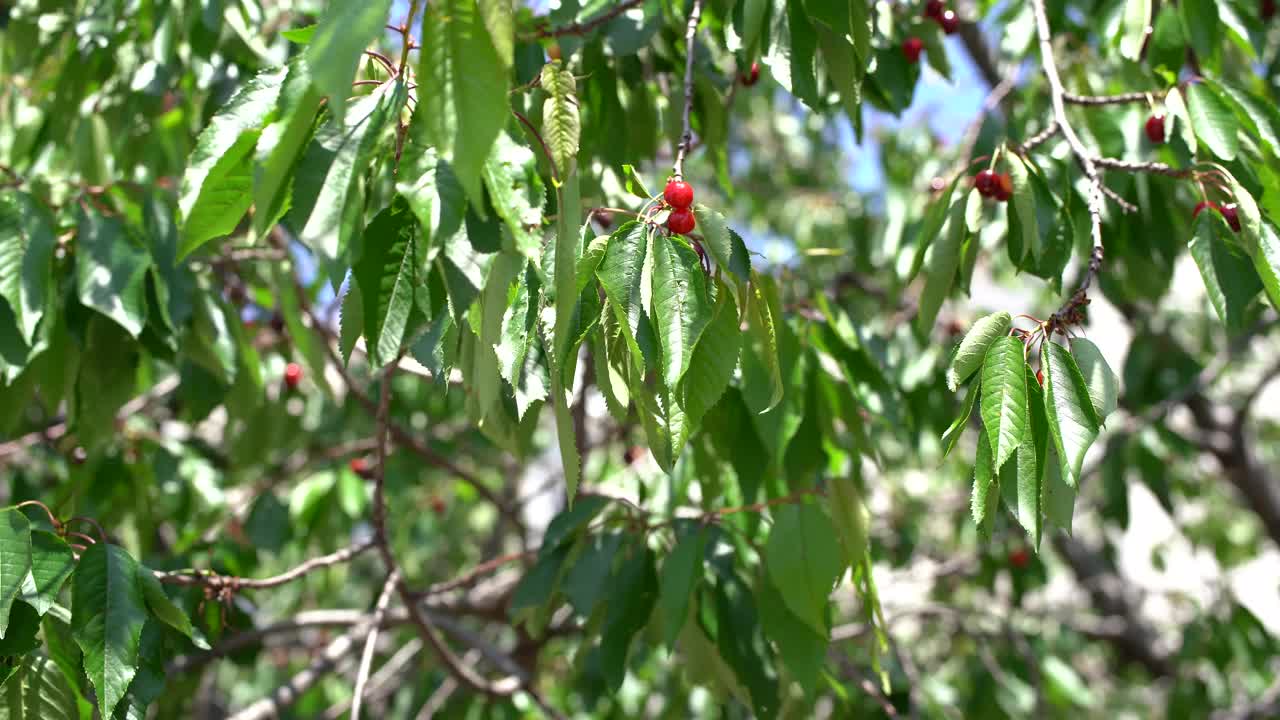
(911,48)
(1004,187)
(292,375)
(950,22)
(360,467)
(437,505)
(933,9)
(1267,9)
(985,182)
(1019,558)
(1040,377)
(1231,216)
(680,221)
(750,77)
(678,194)
(1155,129)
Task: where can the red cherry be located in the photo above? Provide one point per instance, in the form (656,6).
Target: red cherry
(933,9)
(360,467)
(680,221)
(985,182)
(911,49)
(678,194)
(1019,558)
(1004,187)
(750,77)
(1231,216)
(1267,9)
(950,22)
(292,375)
(437,505)
(1155,129)
(1040,377)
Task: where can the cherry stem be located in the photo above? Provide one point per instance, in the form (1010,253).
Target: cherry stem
(82,536)
(52,519)
(101,533)
(686,137)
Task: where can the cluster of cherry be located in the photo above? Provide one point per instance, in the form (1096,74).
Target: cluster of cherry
(937,11)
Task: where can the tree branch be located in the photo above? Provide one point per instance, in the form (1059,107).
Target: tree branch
(371,642)
(586,26)
(686,137)
(1118,99)
(211,579)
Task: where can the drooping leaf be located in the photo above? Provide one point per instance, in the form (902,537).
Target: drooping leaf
(620,274)
(849,515)
(973,348)
(217,186)
(1073,421)
(386,274)
(1059,497)
(1022,207)
(802,649)
(1229,277)
(107,615)
(1104,386)
(943,264)
(330,212)
(38,691)
(280,143)
(680,578)
(725,246)
(937,213)
(1023,479)
(587,582)
(1133,33)
(165,610)
(26,257)
(111,271)
(636,592)
(804,561)
(1202,28)
(952,434)
(714,358)
(1266,261)
(681,305)
(763,317)
(1003,407)
(15,560)
(986,494)
(342,35)
(1211,117)
(462,88)
(515,189)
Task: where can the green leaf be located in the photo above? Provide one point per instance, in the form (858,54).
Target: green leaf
(567,254)
(620,274)
(681,576)
(1211,117)
(743,646)
(986,494)
(165,610)
(1059,497)
(754,13)
(499,21)
(515,189)
(803,651)
(570,522)
(51,564)
(26,260)
(299,36)
(1266,261)
(217,184)
(15,560)
(432,190)
(339,155)
(635,591)
(952,434)
(634,184)
(943,264)
(38,691)
(681,306)
(1259,114)
(849,515)
(1104,386)
(532,596)
(588,580)
(107,615)
(973,348)
(280,144)
(1073,422)
(763,315)
(111,271)
(1022,207)
(387,277)
(804,561)
(1004,398)
(726,246)
(845,71)
(561,126)
(24,624)
(714,358)
(462,88)
(1229,278)
(802,49)
(1023,477)
(1133,32)
(934,217)
(1202,27)
(344,31)
(1177,107)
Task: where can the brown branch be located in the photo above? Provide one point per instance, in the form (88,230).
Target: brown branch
(371,642)
(686,137)
(212,579)
(582,28)
(285,695)
(1156,168)
(1051,130)
(404,67)
(555,171)
(1119,99)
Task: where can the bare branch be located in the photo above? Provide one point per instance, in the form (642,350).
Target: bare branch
(285,695)
(212,579)
(1118,99)
(686,137)
(582,28)
(371,642)
(1157,168)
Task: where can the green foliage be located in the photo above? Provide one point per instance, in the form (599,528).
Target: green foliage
(283,305)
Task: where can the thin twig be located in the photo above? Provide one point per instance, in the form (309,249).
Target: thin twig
(1119,99)
(371,642)
(555,171)
(1156,168)
(404,67)
(686,137)
(1049,131)
(214,580)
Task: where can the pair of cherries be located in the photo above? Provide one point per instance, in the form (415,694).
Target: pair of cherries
(937,11)
(679,195)
(992,184)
